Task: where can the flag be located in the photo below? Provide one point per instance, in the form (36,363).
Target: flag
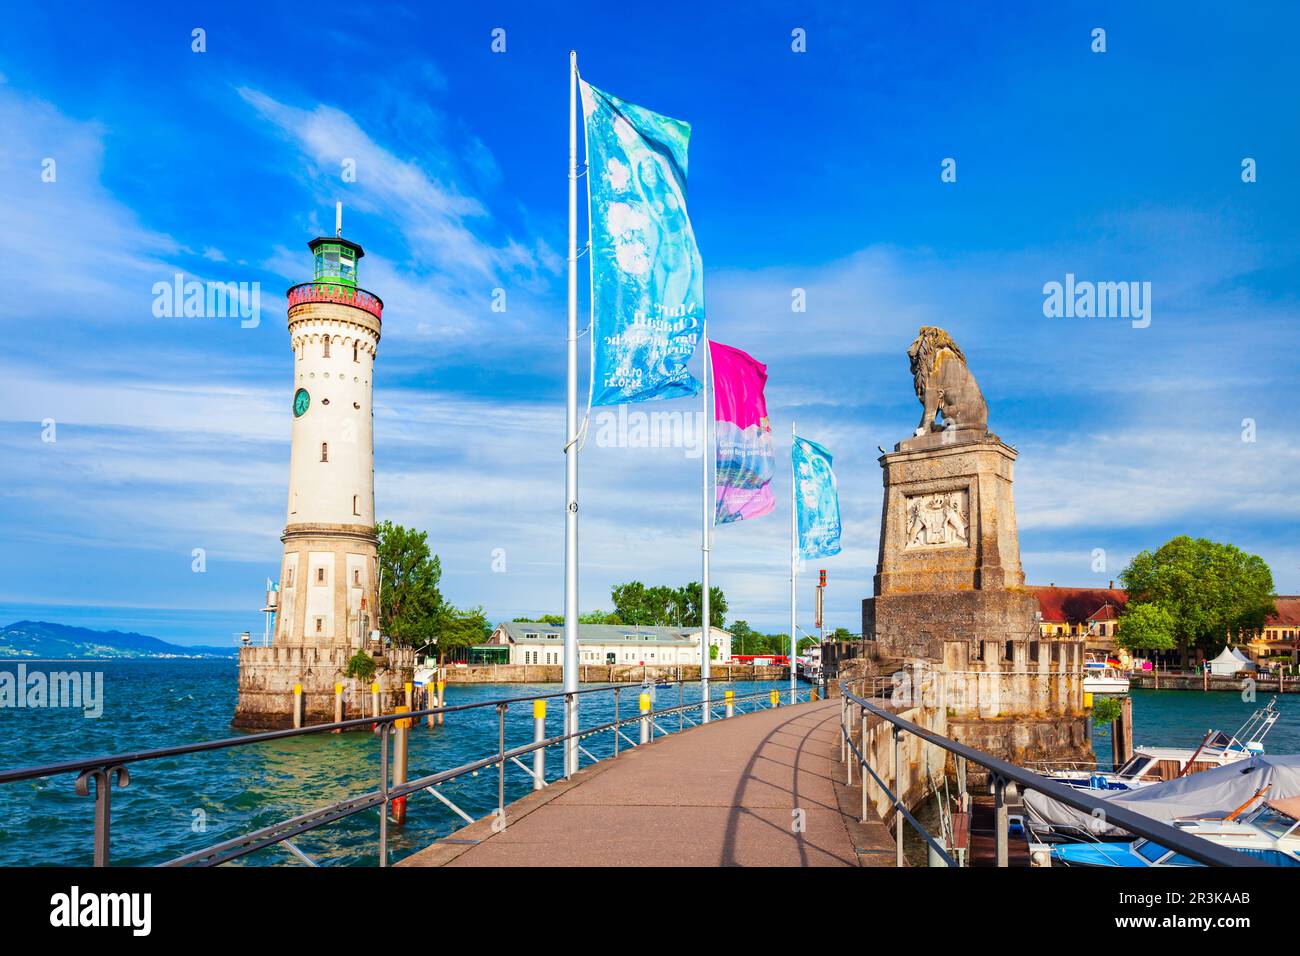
(816,500)
(647,280)
(743,436)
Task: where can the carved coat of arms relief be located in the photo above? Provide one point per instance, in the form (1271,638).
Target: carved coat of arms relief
(940,520)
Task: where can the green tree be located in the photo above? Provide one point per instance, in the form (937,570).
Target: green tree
(842,634)
(661,606)
(599,617)
(555,620)
(1213,591)
(409,602)
(743,637)
(1146,627)
(460,628)
(690,598)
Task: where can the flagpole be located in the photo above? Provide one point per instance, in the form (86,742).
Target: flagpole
(794,568)
(571,449)
(706,516)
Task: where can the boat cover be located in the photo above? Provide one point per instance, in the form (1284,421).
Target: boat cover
(1209,793)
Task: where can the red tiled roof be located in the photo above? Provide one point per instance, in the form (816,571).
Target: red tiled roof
(1079,605)
(1288,611)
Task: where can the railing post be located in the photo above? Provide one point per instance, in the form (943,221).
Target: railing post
(576,751)
(103,777)
(844,702)
(618,726)
(864,772)
(898,796)
(681,705)
(338,706)
(297,706)
(383,792)
(1000,819)
(645,721)
(501,761)
(730,697)
(539,734)
(374,697)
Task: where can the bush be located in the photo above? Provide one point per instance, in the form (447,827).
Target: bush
(1105,710)
(361,665)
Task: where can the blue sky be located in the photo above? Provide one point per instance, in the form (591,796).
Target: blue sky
(817,170)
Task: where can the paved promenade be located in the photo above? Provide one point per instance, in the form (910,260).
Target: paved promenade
(722,794)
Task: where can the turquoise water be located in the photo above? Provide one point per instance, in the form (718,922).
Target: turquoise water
(1180,718)
(150,704)
(164,811)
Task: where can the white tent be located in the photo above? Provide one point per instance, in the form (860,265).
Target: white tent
(1227,664)
(1249,664)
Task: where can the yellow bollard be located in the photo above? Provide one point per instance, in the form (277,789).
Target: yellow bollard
(374,698)
(539,734)
(400,738)
(645,721)
(442,698)
(338,705)
(776,698)
(730,697)
(297,705)
(1087,700)
(408,688)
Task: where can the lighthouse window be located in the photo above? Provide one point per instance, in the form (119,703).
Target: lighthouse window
(327,346)
(320,575)
(354,508)
(356,576)
(354,352)
(320,624)
(324,451)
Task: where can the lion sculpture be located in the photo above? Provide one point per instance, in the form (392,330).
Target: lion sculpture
(944,383)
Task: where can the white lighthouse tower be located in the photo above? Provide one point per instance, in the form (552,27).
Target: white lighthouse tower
(327,600)
(329,578)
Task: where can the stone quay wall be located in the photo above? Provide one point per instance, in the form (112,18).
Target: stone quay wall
(608,673)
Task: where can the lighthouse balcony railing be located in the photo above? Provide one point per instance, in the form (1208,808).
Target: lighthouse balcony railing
(325,291)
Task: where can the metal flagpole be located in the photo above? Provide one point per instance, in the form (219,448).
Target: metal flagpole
(571,449)
(794,566)
(706,517)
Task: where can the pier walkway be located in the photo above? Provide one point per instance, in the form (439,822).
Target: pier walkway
(721,794)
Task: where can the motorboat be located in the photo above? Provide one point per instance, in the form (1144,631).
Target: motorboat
(1270,833)
(1153,764)
(1104,677)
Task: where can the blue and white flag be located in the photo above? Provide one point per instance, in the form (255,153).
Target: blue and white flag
(647,280)
(816,500)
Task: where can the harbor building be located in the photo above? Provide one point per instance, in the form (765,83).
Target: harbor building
(534,642)
(326,605)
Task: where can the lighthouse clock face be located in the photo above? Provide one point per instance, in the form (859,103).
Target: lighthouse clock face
(300,402)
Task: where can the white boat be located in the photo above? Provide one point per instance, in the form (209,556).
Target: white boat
(1101,677)
(1268,833)
(1153,764)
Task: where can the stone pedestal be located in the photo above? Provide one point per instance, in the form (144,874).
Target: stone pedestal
(949,594)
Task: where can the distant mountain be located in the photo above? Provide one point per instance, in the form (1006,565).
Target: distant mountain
(42,639)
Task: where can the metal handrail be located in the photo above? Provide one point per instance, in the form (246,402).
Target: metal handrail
(104,769)
(1203,851)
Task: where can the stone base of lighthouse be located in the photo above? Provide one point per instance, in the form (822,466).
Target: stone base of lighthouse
(267,676)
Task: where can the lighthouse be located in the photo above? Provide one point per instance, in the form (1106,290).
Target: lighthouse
(329,576)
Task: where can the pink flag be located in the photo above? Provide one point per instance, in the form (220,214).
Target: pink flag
(743,434)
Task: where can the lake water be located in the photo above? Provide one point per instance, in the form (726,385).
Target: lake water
(177,805)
